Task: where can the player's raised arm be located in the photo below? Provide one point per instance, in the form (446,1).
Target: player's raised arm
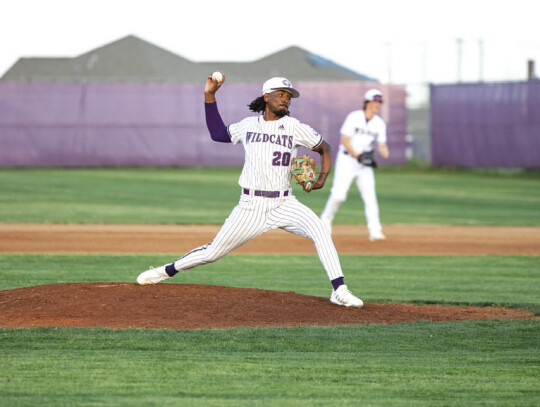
(214,122)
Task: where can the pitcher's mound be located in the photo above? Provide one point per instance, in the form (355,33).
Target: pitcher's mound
(188,306)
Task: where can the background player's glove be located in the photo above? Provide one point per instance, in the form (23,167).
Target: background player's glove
(368,159)
(304,171)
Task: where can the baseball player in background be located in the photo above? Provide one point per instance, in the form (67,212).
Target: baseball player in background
(355,162)
(270,141)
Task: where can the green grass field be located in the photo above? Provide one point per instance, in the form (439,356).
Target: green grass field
(495,363)
(422,364)
(203,195)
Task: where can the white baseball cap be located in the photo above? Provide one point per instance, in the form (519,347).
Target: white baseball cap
(373,95)
(278,83)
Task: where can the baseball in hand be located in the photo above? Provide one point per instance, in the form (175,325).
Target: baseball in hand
(217,76)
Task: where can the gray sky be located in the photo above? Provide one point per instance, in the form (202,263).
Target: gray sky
(404,41)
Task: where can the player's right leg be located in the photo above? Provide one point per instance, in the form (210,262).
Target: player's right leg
(343,176)
(366,186)
(243,224)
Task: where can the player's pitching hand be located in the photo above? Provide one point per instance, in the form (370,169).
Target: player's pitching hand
(212,86)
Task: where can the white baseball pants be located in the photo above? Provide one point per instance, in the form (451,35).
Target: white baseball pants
(256,215)
(346,170)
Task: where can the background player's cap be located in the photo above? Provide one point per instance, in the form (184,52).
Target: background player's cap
(279,83)
(373,95)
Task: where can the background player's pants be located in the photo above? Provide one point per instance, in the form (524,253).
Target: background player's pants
(346,170)
(255,215)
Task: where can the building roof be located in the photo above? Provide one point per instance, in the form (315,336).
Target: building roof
(131,59)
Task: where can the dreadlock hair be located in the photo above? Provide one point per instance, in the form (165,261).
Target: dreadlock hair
(258,105)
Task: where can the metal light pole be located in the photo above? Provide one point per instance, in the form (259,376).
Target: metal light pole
(459,44)
(480,59)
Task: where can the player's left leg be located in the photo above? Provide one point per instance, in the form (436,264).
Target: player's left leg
(295,217)
(343,177)
(366,185)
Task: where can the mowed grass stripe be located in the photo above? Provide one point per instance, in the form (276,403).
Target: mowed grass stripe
(207,196)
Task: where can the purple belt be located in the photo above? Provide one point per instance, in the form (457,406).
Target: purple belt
(267,194)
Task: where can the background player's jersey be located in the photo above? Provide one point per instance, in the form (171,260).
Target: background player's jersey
(363,134)
(270,147)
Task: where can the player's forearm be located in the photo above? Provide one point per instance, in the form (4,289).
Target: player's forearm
(209,97)
(325,150)
(346,141)
(216,127)
(383,150)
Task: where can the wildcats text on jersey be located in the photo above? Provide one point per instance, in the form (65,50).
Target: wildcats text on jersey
(280,139)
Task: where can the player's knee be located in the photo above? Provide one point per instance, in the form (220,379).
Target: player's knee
(338,199)
(319,229)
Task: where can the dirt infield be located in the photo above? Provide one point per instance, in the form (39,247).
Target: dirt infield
(185,306)
(402,239)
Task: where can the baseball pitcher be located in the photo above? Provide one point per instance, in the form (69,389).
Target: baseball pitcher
(270,141)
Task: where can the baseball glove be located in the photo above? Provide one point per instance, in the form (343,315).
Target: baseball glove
(368,159)
(304,171)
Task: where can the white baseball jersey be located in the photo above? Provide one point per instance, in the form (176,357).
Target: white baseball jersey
(270,147)
(362,135)
(361,132)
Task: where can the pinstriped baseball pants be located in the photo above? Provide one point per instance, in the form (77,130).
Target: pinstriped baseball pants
(254,216)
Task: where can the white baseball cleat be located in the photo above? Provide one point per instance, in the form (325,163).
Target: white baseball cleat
(376,236)
(342,296)
(152,276)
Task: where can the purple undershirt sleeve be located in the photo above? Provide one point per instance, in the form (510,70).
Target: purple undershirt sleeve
(215,124)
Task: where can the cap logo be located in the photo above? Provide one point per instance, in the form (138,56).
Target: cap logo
(377,98)
(274,84)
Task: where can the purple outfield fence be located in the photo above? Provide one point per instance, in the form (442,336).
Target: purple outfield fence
(138,124)
(486,125)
